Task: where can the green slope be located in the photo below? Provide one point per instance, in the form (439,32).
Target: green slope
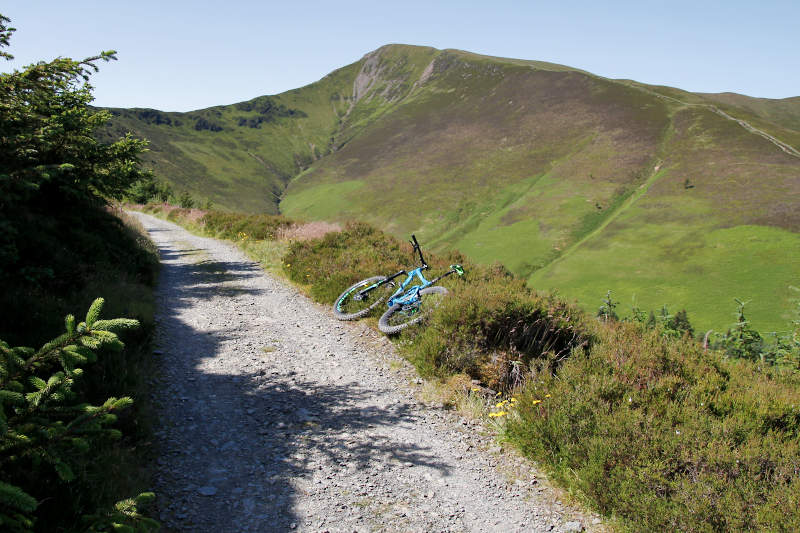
(579,182)
(784,112)
(485,145)
(242,155)
(732,233)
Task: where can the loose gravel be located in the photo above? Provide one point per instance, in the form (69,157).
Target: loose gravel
(274,416)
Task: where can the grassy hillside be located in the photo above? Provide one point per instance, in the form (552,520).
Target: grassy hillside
(485,151)
(576,182)
(732,231)
(784,112)
(241,156)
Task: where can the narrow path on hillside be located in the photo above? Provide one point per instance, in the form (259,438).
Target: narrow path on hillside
(788,148)
(655,174)
(611,217)
(273,416)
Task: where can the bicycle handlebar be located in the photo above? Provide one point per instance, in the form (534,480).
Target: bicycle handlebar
(454,269)
(415,244)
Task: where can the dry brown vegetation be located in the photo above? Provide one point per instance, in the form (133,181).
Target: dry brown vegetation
(305,231)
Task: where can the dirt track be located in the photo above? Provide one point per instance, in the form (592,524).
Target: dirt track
(274,416)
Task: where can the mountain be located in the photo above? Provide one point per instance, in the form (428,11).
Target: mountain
(578,182)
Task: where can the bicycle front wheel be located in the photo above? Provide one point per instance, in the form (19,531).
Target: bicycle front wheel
(351,304)
(398,317)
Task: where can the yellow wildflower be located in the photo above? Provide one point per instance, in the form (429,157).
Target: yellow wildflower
(547,396)
(475,389)
(536,401)
(499,413)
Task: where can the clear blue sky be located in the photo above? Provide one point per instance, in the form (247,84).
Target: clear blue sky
(180,55)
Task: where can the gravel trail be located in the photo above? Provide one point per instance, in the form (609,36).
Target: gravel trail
(274,416)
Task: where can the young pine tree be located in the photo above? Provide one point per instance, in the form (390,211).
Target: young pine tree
(46,427)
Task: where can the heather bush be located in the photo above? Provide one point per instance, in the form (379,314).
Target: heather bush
(337,260)
(496,329)
(665,435)
(256,227)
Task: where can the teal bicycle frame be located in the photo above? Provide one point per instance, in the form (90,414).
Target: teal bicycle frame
(410,296)
(403,295)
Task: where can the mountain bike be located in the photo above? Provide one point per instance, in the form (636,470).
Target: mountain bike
(407,304)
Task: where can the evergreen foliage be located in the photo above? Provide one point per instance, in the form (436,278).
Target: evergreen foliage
(47,143)
(743,341)
(608,311)
(46,425)
(148,189)
(740,341)
(58,245)
(49,154)
(185,200)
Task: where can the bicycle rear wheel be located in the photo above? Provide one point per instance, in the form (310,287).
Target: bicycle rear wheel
(351,305)
(398,317)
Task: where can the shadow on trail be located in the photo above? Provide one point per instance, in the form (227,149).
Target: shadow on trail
(233,445)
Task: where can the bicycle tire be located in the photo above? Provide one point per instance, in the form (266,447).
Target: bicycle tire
(396,319)
(347,308)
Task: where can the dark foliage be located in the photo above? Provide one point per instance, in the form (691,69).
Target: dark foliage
(205,124)
(149,116)
(58,245)
(268,110)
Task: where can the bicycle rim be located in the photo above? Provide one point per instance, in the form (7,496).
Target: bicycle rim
(351,304)
(399,317)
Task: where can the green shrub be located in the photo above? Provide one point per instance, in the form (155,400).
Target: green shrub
(148,189)
(236,225)
(185,200)
(331,264)
(667,436)
(742,341)
(495,329)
